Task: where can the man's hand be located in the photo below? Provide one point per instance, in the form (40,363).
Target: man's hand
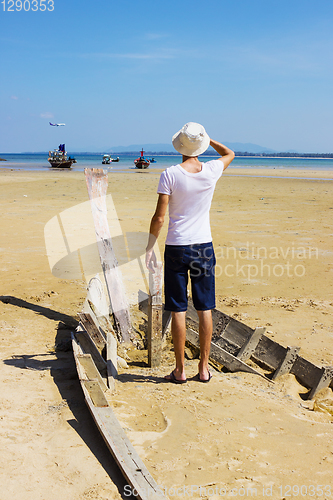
(151,260)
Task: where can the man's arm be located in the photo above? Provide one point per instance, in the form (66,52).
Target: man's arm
(156,225)
(227,155)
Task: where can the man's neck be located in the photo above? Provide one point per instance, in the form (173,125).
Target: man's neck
(191,164)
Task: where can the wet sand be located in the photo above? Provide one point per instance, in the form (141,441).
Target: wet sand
(273,240)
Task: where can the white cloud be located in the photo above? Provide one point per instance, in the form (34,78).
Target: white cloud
(14,97)
(129,55)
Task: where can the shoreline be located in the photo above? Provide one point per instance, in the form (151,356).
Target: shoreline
(262,172)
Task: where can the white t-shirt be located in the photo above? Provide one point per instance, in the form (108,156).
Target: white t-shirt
(190,200)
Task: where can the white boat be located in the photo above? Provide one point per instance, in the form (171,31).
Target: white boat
(107,159)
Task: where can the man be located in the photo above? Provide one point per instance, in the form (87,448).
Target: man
(188,190)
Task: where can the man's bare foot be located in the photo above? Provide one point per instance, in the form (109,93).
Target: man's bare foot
(204,379)
(204,374)
(172,378)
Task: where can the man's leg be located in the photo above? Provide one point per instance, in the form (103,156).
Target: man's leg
(178,331)
(205,337)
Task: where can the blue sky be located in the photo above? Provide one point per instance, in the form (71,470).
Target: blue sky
(131,72)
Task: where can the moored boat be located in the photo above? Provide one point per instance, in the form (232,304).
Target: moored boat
(107,159)
(59,159)
(142,161)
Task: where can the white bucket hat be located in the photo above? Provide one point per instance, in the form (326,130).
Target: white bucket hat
(191,140)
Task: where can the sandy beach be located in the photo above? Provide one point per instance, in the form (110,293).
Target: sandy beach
(239,435)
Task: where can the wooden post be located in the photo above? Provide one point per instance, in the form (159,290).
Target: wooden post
(155,317)
(97,183)
(111,360)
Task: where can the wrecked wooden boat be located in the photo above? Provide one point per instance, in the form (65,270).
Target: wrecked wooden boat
(235,346)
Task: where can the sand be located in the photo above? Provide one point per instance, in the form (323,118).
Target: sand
(237,436)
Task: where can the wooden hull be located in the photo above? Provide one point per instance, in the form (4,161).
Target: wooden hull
(62,164)
(142,164)
(234,343)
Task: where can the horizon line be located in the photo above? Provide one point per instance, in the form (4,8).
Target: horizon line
(171,153)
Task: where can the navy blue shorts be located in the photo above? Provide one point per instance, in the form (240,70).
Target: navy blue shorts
(198,261)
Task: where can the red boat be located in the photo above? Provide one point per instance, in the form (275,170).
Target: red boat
(142,162)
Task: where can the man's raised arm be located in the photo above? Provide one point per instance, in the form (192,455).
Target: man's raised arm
(227,155)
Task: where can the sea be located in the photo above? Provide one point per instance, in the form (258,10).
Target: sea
(38,161)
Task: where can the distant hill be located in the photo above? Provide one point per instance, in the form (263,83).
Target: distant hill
(168,148)
(248,147)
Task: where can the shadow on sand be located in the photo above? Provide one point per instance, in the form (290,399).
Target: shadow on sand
(63,371)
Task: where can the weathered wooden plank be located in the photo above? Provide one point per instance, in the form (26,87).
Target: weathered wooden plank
(166,315)
(126,456)
(269,353)
(155,285)
(89,347)
(129,462)
(250,345)
(96,306)
(236,332)
(91,370)
(323,381)
(307,373)
(97,182)
(105,325)
(111,360)
(221,356)
(96,393)
(154,336)
(287,362)
(222,342)
(166,320)
(93,329)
